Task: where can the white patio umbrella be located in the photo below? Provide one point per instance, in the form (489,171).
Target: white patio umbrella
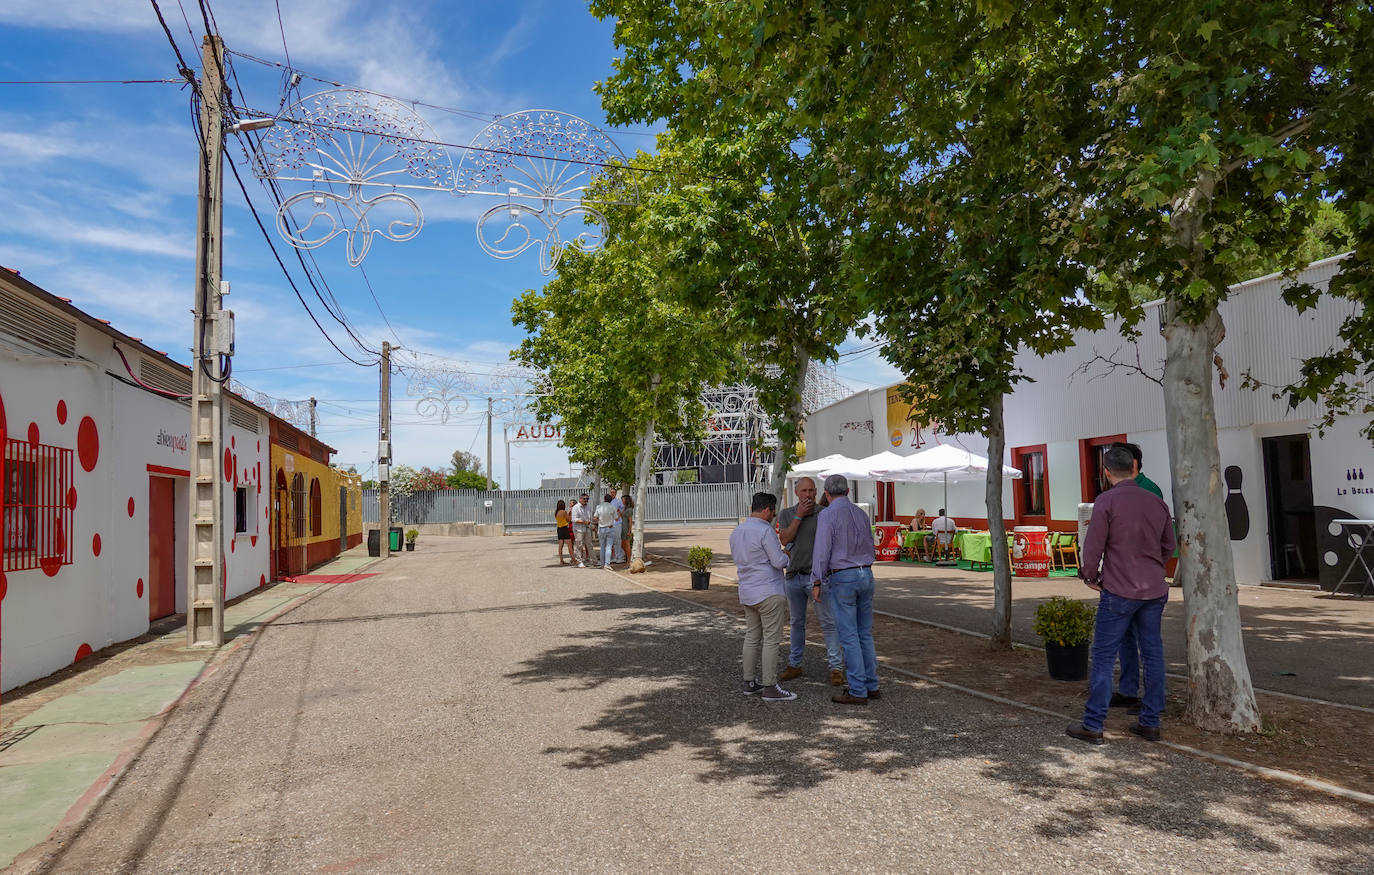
(866,468)
(941,463)
(818,466)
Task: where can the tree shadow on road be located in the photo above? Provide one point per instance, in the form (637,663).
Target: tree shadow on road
(682,665)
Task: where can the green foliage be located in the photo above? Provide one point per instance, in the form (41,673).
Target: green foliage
(1064,621)
(465,461)
(699,558)
(403,478)
(467,480)
(412,534)
(616,351)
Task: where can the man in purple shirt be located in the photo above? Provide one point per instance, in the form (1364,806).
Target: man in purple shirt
(759,562)
(843,558)
(1129,540)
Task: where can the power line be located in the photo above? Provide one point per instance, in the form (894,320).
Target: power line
(282,28)
(187,73)
(92,81)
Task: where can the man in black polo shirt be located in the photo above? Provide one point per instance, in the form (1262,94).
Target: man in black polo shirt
(797,531)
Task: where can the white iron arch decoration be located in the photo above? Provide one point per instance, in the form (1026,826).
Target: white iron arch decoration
(367,158)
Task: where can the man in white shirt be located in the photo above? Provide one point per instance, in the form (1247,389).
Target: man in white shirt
(944,529)
(619,533)
(759,562)
(582,531)
(607,520)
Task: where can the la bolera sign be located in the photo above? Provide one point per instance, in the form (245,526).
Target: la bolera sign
(538,431)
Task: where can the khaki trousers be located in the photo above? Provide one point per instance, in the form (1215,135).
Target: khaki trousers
(582,544)
(763,631)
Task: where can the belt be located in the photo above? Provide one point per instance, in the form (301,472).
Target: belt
(849,568)
(797,573)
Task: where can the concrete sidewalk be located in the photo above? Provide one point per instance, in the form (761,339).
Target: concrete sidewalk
(64,741)
(1298,643)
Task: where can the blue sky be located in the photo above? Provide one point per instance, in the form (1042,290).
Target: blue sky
(99,185)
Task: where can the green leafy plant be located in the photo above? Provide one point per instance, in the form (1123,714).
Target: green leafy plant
(1064,621)
(412,534)
(699,558)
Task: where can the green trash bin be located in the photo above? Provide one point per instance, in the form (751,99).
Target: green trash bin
(395,540)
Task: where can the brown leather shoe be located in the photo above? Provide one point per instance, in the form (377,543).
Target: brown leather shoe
(846,699)
(1082,733)
(790,673)
(1149,733)
(836,678)
(875,694)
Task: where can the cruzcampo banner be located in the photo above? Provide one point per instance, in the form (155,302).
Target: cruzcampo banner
(904,429)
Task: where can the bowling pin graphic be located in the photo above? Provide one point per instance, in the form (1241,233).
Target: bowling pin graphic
(1237,511)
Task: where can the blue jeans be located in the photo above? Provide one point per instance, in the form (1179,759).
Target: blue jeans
(851,601)
(1129,685)
(1115,617)
(606,533)
(798,588)
(619,535)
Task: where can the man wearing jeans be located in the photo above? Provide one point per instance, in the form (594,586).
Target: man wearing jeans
(797,531)
(1129,540)
(1127,694)
(843,559)
(759,562)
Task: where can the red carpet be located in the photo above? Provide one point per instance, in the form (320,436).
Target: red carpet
(326,578)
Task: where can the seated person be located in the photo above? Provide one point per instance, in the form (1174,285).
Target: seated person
(919,521)
(944,529)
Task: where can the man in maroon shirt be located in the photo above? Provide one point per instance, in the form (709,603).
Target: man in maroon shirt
(1129,539)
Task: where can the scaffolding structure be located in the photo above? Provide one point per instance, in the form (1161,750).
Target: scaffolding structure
(741,443)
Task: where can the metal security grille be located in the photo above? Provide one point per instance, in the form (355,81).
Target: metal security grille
(298,506)
(38,502)
(36,326)
(696,503)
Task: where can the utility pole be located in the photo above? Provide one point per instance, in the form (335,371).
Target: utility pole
(313,421)
(204,587)
(505,436)
(490,484)
(384,453)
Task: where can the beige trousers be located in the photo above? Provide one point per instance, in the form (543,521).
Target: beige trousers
(763,630)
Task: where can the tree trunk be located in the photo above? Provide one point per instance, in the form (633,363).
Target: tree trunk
(644,460)
(997,531)
(1220,696)
(796,415)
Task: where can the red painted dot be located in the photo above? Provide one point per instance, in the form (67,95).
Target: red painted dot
(228,465)
(82,652)
(59,537)
(262,581)
(33,434)
(61,412)
(259,450)
(131,505)
(4,586)
(88,443)
(95,544)
(233,543)
(232,440)
(138,587)
(50,565)
(71,497)
(253,539)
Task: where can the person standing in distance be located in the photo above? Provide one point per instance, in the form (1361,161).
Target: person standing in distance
(759,562)
(619,533)
(582,531)
(1127,694)
(607,516)
(797,531)
(1129,539)
(843,560)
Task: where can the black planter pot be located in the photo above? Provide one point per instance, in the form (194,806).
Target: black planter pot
(410,546)
(1067,663)
(701,580)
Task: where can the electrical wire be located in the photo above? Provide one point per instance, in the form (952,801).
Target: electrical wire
(92,81)
(186,72)
(282,28)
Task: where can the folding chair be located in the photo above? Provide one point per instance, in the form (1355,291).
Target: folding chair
(1065,548)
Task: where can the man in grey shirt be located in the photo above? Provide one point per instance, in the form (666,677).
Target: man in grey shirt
(759,562)
(797,531)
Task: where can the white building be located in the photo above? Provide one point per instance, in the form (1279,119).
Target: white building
(1286,482)
(96,485)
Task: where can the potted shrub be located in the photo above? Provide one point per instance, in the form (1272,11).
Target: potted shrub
(1066,627)
(411,535)
(699,560)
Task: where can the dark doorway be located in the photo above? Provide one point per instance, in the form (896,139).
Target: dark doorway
(162,578)
(1292,519)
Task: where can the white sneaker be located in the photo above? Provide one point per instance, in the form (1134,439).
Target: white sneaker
(581,565)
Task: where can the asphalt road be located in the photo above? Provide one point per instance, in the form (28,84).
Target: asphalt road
(473,709)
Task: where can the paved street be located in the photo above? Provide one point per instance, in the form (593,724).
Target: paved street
(475,707)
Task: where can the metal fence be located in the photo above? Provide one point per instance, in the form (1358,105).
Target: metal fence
(700,503)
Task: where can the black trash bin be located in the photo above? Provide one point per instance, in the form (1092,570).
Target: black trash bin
(374,542)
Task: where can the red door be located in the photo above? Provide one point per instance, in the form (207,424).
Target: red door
(162,594)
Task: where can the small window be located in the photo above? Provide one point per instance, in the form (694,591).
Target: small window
(37,506)
(1032,498)
(316,510)
(240,510)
